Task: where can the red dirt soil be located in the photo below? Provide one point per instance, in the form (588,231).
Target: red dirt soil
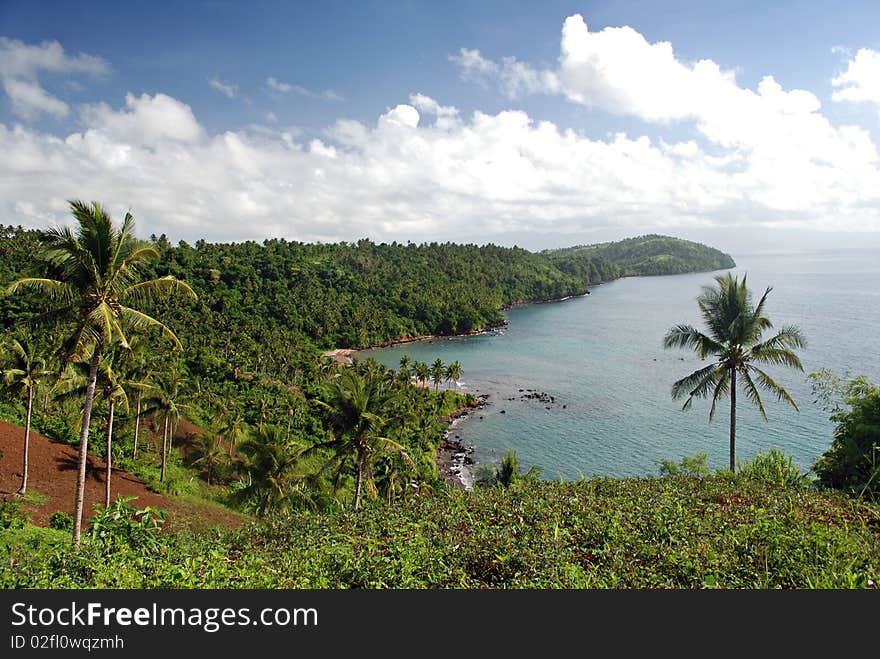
(52,469)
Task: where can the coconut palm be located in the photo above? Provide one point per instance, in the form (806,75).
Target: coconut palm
(422,372)
(356,410)
(109,387)
(270,461)
(96,273)
(453,372)
(209,453)
(163,399)
(437,372)
(733,338)
(21,375)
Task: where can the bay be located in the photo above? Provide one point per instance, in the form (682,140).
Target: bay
(601,360)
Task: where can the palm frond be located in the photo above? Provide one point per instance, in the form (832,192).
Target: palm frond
(752,391)
(139,320)
(693,384)
(722,387)
(773,386)
(154,288)
(686,336)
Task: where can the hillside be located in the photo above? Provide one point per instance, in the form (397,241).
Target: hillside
(673,532)
(646,256)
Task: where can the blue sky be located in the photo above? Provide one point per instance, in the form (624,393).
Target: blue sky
(559,122)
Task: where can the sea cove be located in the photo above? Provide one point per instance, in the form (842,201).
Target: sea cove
(598,361)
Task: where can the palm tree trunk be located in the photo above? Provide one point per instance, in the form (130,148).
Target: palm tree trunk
(27,442)
(360,480)
(84,445)
(732,420)
(109,458)
(137,427)
(164,449)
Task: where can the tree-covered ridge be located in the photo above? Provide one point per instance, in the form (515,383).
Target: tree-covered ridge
(647,255)
(282,293)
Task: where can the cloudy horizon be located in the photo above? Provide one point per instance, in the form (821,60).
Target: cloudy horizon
(689,148)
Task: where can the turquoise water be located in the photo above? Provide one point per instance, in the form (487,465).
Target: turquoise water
(600,356)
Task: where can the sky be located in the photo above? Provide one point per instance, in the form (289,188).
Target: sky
(752,126)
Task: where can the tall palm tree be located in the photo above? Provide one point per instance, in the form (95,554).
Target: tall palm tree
(109,387)
(422,372)
(437,372)
(135,370)
(96,271)
(453,372)
(733,338)
(163,399)
(22,375)
(356,410)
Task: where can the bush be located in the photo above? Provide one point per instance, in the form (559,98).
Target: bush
(61,521)
(12,516)
(775,468)
(691,466)
(852,463)
(124,524)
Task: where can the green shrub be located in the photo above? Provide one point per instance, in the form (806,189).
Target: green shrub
(852,463)
(691,466)
(124,524)
(61,521)
(12,516)
(774,468)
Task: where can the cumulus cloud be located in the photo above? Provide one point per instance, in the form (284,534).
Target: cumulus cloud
(769,129)
(287,88)
(226,88)
(29,100)
(420,171)
(861,80)
(146,121)
(21,64)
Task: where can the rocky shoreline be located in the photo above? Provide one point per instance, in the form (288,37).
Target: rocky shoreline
(454,459)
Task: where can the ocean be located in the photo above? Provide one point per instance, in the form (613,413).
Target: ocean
(580,387)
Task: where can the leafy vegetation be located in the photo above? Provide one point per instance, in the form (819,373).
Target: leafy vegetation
(675,532)
(852,463)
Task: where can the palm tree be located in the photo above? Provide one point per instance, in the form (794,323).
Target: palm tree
(453,372)
(134,379)
(109,387)
(422,372)
(405,362)
(733,337)
(270,461)
(96,270)
(23,374)
(210,453)
(164,400)
(356,409)
(437,372)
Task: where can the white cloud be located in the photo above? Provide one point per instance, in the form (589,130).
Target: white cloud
(148,121)
(420,172)
(226,88)
(29,99)
(287,88)
(21,64)
(861,80)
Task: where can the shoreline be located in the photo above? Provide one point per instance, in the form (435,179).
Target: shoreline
(453,458)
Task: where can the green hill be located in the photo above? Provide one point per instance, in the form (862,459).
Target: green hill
(644,255)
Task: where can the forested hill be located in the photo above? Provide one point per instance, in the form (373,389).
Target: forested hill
(645,255)
(276,297)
